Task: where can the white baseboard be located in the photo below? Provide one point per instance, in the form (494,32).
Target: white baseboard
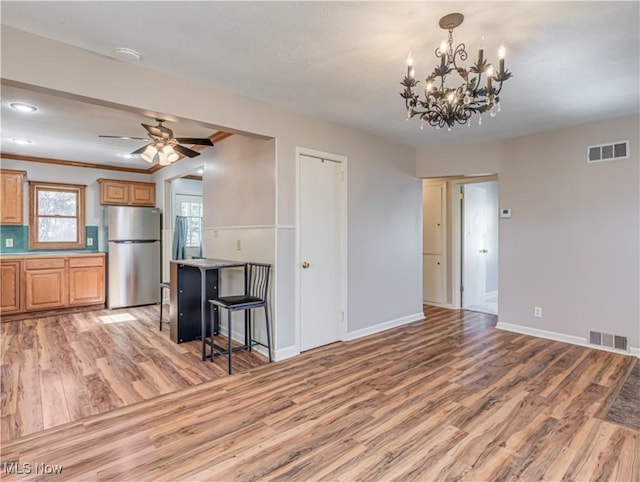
(284,353)
(552,335)
(448,306)
(387,325)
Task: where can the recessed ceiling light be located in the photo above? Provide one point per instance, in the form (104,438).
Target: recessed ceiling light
(126,156)
(200,171)
(130,55)
(19,106)
(21,141)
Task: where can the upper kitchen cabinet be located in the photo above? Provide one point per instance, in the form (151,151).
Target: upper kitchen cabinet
(127,193)
(11,193)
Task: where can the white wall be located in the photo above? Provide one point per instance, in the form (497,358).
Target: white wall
(384,208)
(479,159)
(240,184)
(187,186)
(239,216)
(40,171)
(573,243)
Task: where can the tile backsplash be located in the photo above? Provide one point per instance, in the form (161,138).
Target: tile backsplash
(18,237)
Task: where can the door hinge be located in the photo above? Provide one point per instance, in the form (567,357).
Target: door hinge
(461,195)
(461,288)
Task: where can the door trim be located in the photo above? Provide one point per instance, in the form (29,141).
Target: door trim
(304,151)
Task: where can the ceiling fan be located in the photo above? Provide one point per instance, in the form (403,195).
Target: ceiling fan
(163,145)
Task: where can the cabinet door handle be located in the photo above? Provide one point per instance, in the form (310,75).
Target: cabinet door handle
(305,265)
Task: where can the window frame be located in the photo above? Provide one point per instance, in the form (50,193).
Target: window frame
(79,191)
(190,223)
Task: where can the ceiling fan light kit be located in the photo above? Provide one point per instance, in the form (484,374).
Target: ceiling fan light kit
(444,104)
(164,147)
(149,153)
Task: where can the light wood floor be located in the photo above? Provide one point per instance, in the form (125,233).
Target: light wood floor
(449,398)
(59,369)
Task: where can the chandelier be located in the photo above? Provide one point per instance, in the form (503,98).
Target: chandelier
(444,103)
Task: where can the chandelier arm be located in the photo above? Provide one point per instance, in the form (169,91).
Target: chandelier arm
(478,83)
(461,52)
(497,91)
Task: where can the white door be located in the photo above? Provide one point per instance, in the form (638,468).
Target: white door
(480,247)
(321,252)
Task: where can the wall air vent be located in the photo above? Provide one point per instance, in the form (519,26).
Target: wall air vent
(608,340)
(608,152)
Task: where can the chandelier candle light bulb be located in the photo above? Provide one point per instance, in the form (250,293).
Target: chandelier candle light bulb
(502,52)
(447,105)
(410,71)
(489,73)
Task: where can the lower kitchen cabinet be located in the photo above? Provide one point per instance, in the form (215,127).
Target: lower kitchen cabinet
(36,283)
(10,286)
(46,289)
(86,281)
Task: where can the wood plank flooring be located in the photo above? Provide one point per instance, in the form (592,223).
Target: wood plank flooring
(448,398)
(58,369)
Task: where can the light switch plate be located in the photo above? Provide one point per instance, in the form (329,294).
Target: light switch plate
(89,241)
(8,243)
(505,212)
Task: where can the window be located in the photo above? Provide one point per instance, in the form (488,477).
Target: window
(192,210)
(56,216)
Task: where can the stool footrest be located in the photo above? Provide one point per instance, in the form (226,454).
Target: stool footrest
(219,351)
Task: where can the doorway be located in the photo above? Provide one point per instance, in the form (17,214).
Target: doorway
(479,247)
(321,271)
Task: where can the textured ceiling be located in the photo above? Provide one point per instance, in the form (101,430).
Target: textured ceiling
(573,62)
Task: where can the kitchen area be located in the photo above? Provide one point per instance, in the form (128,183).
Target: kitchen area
(79,326)
(86,237)
(63,266)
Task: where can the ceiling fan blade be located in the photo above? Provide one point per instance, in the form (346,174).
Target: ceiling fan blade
(195,141)
(159,131)
(126,137)
(185,151)
(140,151)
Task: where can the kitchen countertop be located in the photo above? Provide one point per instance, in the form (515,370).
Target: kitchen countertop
(209,263)
(50,254)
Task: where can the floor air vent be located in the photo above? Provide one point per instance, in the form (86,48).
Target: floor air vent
(616,342)
(608,152)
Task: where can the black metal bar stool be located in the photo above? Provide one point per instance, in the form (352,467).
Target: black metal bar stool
(163,285)
(256,282)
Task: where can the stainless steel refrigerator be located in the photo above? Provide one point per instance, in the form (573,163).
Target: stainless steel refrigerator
(134,258)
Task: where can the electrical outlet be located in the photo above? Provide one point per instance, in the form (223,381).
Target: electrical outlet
(238,245)
(537,311)
(89,241)
(8,242)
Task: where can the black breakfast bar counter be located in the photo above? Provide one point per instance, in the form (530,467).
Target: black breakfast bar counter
(193,282)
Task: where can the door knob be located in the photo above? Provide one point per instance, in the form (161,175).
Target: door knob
(305,265)
(483,251)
